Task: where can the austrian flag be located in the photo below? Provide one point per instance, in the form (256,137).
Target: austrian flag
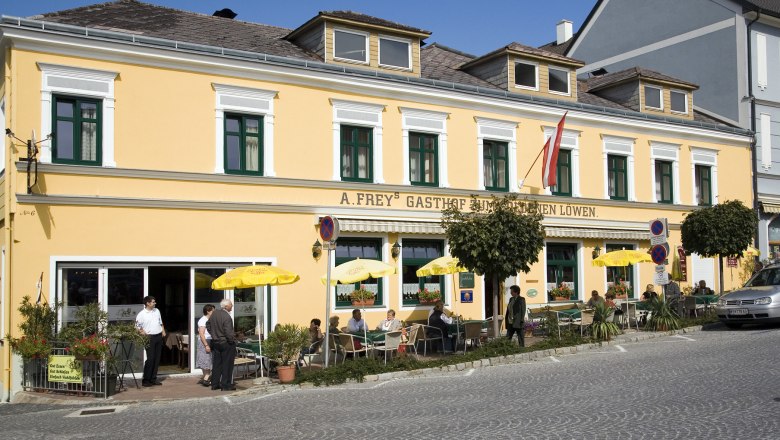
(550,165)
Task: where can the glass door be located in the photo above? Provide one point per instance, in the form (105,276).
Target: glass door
(125,291)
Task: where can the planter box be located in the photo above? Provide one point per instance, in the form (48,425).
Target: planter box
(363,302)
(429,302)
(110,386)
(560,298)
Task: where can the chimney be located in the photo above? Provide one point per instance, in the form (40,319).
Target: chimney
(225,13)
(563,31)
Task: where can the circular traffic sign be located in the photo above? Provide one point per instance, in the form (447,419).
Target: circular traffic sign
(658,253)
(329,228)
(657,227)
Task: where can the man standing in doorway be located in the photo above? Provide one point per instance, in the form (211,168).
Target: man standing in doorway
(223,347)
(515,315)
(149,323)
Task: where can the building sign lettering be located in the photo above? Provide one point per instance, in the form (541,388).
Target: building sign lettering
(397,200)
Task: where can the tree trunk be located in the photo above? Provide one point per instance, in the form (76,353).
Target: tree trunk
(720,269)
(496,327)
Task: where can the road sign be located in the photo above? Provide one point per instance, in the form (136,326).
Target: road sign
(661,278)
(329,228)
(657,239)
(658,253)
(658,226)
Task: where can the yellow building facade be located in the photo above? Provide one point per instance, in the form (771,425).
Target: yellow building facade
(144,199)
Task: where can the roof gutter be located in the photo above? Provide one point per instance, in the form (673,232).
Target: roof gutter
(753,153)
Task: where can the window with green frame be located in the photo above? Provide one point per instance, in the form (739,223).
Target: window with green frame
(703,185)
(423,159)
(416,254)
(563,185)
(621,273)
(244,144)
(495,165)
(356,154)
(663,181)
(347,249)
(77,130)
(617,170)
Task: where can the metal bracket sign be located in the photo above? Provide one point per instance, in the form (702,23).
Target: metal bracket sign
(659,253)
(329,228)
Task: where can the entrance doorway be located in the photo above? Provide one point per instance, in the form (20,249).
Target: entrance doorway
(170,286)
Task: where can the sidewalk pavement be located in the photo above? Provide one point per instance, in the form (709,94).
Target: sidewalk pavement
(182,387)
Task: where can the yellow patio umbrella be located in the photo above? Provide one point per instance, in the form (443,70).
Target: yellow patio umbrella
(446,265)
(358,270)
(751,252)
(202,280)
(246,277)
(622,257)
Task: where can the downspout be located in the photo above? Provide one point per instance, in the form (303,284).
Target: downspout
(7,236)
(753,153)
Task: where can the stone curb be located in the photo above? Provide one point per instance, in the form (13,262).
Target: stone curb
(269,387)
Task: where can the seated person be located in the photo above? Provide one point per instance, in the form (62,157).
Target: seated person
(390,324)
(609,300)
(334,325)
(315,336)
(444,316)
(437,320)
(649,293)
(702,289)
(594,299)
(356,322)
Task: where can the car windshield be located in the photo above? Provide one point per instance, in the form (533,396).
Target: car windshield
(767,277)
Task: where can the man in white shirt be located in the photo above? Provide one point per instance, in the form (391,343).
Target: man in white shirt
(356,322)
(149,323)
(444,317)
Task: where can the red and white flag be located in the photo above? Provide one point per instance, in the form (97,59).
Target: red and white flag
(551,148)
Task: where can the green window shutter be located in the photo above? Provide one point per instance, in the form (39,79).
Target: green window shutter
(423,159)
(357,154)
(617,171)
(563,185)
(77,131)
(243,144)
(495,165)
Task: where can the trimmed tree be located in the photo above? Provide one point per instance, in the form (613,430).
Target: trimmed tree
(722,230)
(496,238)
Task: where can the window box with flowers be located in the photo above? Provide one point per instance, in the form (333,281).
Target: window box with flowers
(561,293)
(91,347)
(621,290)
(426,296)
(362,297)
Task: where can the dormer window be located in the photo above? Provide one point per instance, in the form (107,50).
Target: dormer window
(679,101)
(558,80)
(350,45)
(653,98)
(394,52)
(526,75)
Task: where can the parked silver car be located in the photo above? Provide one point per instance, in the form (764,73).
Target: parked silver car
(758,302)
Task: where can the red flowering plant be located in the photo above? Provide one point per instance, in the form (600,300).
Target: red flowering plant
(429,296)
(30,348)
(90,346)
(37,329)
(620,288)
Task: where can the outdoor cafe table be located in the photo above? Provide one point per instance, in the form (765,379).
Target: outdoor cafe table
(706,299)
(372,337)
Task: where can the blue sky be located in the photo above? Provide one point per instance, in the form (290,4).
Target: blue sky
(475,27)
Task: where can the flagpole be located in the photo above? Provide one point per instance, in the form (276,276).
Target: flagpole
(532,165)
(558,132)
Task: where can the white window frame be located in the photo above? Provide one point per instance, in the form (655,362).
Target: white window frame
(766,141)
(425,121)
(570,140)
(363,115)
(762,71)
(78,82)
(660,97)
(568,81)
(668,153)
(685,94)
(536,75)
(365,35)
(244,100)
(707,157)
(619,146)
(396,39)
(502,131)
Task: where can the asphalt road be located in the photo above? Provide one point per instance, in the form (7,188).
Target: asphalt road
(717,384)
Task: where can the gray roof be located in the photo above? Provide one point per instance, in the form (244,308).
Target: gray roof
(554,47)
(602,81)
(771,7)
(184,30)
(522,48)
(368,19)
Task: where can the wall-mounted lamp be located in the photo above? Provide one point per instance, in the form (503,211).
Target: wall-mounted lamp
(316,250)
(395,251)
(596,252)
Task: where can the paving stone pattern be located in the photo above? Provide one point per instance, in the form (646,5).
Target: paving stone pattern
(716,384)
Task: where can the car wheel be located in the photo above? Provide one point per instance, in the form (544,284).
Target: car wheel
(733,325)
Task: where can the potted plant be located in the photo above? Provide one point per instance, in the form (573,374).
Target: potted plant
(362,297)
(530,327)
(284,345)
(620,289)
(602,328)
(90,348)
(124,338)
(662,317)
(37,327)
(426,296)
(561,293)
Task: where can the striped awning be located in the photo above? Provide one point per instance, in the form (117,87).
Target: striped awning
(770,208)
(434,228)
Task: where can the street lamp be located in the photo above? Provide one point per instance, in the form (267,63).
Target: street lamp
(316,250)
(596,252)
(395,251)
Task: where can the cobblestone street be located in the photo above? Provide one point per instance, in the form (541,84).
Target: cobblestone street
(710,384)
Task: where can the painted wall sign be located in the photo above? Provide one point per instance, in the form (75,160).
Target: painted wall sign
(466,279)
(437,203)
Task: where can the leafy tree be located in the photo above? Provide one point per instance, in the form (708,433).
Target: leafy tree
(496,238)
(723,230)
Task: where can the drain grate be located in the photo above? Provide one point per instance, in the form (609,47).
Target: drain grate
(94,412)
(97,411)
